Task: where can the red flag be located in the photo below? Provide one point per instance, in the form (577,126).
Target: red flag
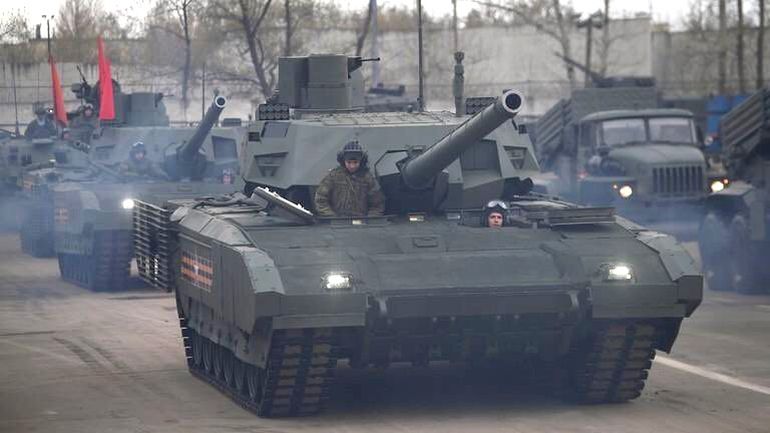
(58,98)
(106,99)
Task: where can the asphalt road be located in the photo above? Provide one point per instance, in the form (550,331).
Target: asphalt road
(76,361)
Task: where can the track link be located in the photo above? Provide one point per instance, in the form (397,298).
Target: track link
(295,382)
(36,231)
(613,366)
(106,268)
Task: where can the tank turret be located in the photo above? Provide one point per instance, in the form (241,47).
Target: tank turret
(417,172)
(187,160)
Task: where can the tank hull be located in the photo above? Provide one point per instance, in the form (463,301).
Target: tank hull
(465,294)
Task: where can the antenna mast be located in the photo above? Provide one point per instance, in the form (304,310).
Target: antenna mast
(421,97)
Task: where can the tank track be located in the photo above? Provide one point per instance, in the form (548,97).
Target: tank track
(613,364)
(154,244)
(295,382)
(107,268)
(36,231)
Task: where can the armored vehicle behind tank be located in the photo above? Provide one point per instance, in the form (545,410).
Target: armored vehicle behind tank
(93,224)
(271,296)
(734,234)
(66,159)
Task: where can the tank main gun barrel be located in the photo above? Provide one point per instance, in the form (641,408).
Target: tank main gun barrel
(189,149)
(418,171)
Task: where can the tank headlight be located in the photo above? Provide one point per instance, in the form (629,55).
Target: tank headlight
(717,186)
(127,204)
(337,281)
(626,191)
(617,272)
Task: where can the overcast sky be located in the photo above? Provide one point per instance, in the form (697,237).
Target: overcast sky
(670,11)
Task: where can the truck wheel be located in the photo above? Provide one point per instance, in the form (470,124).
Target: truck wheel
(714,245)
(744,266)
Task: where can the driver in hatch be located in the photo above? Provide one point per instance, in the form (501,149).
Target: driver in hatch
(350,190)
(139,165)
(495,213)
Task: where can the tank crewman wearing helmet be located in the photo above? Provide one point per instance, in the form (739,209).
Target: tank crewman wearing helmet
(42,126)
(139,165)
(495,214)
(85,123)
(350,189)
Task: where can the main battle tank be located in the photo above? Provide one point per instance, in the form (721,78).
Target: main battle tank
(66,159)
(271,296)
(93,222)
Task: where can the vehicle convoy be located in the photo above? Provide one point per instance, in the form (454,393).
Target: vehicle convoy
(734,239)
(271,296)
(93,222)
(613,146)
(67,159)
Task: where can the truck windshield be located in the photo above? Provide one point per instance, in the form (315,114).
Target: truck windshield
(672,129)
(622,131)
(617,132)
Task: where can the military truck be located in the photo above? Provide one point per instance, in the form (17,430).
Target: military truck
(270,296)
(93,224)
(613,146)
(734,240)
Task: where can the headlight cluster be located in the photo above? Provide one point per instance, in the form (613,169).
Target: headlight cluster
(127,204)
(623,190)
(337,281)
(719,185)
(616,272)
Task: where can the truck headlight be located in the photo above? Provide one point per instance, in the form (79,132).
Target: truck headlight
(337,281)
(718,185)
(626,191)
(616,272)
(127,204)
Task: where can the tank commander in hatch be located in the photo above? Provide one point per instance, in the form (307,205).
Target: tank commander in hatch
(139,165)
(495,213)
(42,126)
(85,124)
(350,190)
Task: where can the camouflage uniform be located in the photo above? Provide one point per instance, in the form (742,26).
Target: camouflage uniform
(343,194)
(37,130)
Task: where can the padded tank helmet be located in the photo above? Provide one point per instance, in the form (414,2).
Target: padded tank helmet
(493,206)
(136,148)
(352,151)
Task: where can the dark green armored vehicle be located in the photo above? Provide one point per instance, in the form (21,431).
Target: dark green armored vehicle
(93,223)
(270,296)
(735,232)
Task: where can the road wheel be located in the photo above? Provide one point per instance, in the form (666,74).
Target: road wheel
(197,349)
(228,362)
(743,265)
(239,375)
(218,353)
(714,244)
(254,383)
(208,355)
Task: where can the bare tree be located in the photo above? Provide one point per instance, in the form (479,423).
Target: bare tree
(365,25)
(761,45)
(13,26)
(243,20)
(177,18)
(296,13)
(606,40)
(549,17)
(722,50)
(739,49)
